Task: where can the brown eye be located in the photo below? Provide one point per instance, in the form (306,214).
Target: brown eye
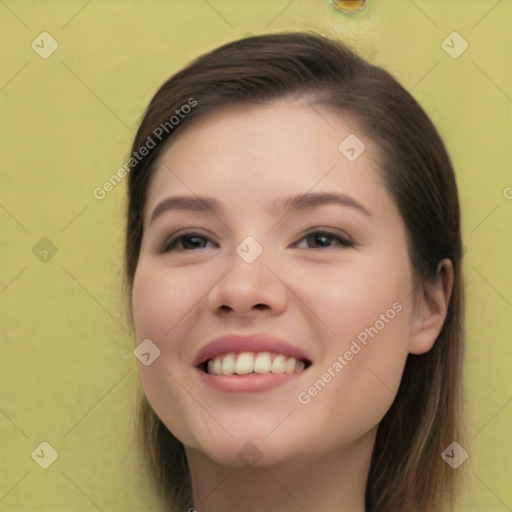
(185,242)
(324,240)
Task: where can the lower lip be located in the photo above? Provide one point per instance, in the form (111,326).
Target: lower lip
(251,383)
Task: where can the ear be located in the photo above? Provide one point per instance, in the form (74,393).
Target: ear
(430,307)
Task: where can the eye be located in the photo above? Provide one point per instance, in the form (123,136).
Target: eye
(324,238)
(191,241)
(188,241)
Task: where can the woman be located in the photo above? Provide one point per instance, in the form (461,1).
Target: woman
(293,254)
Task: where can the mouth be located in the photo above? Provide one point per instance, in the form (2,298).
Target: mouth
(248,363)
(251,372)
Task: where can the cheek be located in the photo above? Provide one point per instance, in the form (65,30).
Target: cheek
(159,302)
(367,310)
(161,298)
(356,381)
(348,299)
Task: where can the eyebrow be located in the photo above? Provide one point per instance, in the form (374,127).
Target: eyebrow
(310,200)
(298,203)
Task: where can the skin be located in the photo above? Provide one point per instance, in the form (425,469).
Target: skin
(318,295)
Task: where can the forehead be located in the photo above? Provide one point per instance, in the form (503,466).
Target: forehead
(280,127)
(251,156)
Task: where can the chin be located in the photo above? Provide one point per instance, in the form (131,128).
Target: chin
(246,451)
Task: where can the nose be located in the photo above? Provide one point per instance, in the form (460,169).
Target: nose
(248,289)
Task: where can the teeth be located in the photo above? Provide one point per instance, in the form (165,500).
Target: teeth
(217,366)
(244,363)
(289,365)
(278,364)
(228,365)
(250,362)
(262,362)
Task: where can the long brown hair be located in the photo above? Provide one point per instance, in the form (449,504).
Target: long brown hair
(407,472)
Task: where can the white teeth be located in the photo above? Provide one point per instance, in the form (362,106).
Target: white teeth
(244,363)
(278,364)
(289,365)
(262,362)
(217,366)
(250,362)
(228,365)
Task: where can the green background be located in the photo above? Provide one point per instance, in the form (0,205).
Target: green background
(68,373)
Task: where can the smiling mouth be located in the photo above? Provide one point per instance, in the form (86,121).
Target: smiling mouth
(248,363)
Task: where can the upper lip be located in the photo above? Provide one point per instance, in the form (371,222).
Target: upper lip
(248,343)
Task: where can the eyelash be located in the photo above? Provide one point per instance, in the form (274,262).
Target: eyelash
(172,242)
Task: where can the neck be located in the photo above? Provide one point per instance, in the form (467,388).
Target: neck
(334,481)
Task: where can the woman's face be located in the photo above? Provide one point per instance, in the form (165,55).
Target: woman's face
(342,297)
